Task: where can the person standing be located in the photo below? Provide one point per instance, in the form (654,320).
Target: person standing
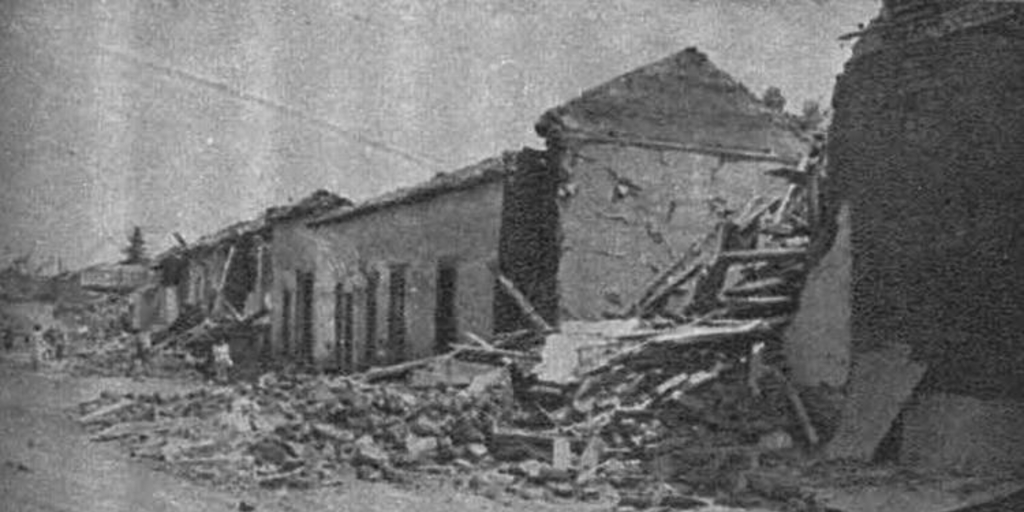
(38,346)
(221,360)
(143,347)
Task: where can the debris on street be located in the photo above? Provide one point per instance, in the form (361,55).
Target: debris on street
(681,396)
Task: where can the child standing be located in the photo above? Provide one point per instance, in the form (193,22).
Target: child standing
(221,360)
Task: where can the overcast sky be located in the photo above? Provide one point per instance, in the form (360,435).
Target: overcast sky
(187,115)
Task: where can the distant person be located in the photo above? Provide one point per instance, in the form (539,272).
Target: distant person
(60,340)
(38,346)
(8,338)
(143,346)
(221,361)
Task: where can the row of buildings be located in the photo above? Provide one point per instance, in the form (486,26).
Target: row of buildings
(633,172)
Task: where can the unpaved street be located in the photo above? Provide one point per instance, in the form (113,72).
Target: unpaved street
(48,464)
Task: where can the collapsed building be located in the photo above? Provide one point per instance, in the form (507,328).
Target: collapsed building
(913,315)
(635,172)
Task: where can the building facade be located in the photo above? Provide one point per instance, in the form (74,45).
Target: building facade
(646,165)
(401,276)
(292,254)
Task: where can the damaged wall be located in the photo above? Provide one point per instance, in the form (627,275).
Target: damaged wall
(628,212)
(458,228)
(528,254)
(926,146)
(292,251)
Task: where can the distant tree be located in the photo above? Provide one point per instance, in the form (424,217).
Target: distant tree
(774,99)
(135,252)
(811,116)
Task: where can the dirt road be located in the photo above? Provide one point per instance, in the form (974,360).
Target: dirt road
(48,464)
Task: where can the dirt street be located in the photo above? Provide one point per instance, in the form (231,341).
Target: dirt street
(48,464)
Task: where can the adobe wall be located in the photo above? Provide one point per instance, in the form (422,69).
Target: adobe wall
(926,147)
(292,249)
(461,226)
(627,213)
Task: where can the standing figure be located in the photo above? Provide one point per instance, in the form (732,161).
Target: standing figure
(221,360)
(38,346)
(143,347)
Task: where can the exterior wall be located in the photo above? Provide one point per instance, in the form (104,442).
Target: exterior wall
(817,341)
(925,146)
(461,226)
(292,249)
(627,213)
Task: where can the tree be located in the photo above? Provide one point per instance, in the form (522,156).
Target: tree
(774,99)
(135,252)
(812,117)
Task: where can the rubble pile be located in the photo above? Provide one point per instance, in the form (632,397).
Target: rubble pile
(300,431)
(680,395)
(687,387)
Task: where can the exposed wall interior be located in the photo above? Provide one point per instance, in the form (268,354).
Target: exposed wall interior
(529,247)
(628,212)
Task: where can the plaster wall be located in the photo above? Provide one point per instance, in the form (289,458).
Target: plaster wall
(627,213)
(461,226)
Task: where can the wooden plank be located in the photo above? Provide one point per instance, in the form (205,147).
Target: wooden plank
(510,288)
(103,412)
(684,269)
(880,383)
(763,255)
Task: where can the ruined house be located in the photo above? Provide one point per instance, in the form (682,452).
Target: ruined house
(400,275)
(292,255)
(915,312)
(635,171)
(644,166)
(226,273)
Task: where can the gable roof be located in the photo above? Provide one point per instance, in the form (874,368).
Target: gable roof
(485,171)
(683,99)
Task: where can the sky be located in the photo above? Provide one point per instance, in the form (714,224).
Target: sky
(188,115)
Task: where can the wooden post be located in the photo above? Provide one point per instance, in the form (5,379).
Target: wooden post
(219,297)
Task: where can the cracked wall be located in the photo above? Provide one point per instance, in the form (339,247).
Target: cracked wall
(628,212)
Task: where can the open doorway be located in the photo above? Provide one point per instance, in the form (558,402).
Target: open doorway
(344,357)
(396,313)
(370,346)
(446,325)
(305,315)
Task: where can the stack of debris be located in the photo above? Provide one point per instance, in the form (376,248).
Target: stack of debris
(302,431)
(686,386)
(681,395)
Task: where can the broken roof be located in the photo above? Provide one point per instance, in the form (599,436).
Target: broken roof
(484,171)
(229,234)
(682,99)
(316,203)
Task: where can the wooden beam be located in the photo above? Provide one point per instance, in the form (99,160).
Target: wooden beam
(756,255)
(535,319)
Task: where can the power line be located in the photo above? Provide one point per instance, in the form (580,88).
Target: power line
(278,106)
